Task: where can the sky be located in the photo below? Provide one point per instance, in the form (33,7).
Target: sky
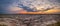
(29,6)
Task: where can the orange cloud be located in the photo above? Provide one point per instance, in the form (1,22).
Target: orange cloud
(52,11)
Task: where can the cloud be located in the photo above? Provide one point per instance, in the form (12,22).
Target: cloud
(36,5)
(28,6)
(58,1)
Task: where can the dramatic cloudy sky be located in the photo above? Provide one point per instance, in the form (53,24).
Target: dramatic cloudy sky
(29,6)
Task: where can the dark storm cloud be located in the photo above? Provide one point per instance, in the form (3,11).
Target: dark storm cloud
(28,9)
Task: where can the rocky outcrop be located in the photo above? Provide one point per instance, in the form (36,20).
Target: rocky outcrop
(29,20)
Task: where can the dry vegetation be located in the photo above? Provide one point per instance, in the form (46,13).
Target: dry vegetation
(55,24)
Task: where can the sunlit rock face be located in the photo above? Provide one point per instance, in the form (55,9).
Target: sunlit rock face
(38,5)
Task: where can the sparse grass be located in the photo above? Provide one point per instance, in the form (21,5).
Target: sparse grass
(3,25)
(55,24)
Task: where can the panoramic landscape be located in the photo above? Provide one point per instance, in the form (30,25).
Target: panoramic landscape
(29,12)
